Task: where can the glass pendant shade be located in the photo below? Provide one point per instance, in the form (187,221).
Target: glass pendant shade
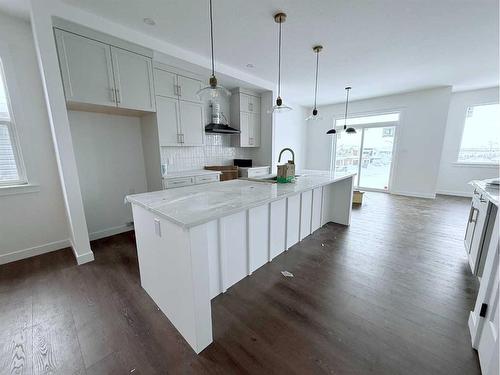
(279,107)
(314,116)
(213,90)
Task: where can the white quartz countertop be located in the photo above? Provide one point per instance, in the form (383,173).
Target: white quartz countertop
(490,193)
(197,204)
(196,172)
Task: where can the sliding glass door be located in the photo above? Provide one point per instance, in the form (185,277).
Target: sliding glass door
(369,152)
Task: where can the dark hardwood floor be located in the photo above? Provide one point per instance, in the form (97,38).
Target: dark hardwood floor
(391,294)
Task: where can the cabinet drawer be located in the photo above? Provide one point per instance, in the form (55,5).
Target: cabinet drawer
(206,179)
(179,182)
(257,172)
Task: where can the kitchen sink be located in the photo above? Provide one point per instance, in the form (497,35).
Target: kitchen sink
(272,180)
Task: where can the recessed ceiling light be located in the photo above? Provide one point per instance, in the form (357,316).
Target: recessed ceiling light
(149,21)
(250,66)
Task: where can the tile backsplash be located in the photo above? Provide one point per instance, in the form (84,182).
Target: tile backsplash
(217,151)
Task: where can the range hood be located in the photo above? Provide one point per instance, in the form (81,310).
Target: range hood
(216,126)
(213,128)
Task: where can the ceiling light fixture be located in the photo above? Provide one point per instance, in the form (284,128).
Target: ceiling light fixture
(314,115)
(213,88)
(279,18)
(149,21)
(348,130)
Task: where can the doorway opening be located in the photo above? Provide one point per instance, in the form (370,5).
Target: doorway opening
(369,152)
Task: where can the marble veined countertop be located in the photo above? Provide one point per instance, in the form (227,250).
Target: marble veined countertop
(191,173)
(491,193)
(197,204)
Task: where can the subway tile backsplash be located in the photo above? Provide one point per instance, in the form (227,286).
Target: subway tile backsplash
(217,151)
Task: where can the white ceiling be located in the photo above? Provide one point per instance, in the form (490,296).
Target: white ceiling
(378,47)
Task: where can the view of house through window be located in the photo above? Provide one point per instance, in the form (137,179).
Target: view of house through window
(480,139)
(368,152)
(10,171)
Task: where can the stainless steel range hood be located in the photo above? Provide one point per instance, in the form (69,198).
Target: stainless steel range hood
(216,126)
(220,129)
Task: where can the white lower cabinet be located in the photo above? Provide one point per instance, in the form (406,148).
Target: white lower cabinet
(188,179)
(277,228)
(305,214)
(317,201)
(258,237)
(292,220)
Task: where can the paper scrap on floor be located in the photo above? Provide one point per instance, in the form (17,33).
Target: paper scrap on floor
(287,274)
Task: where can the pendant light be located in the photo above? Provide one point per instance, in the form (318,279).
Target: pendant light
(214,90)
(348,130)
(279,18)
(314,115)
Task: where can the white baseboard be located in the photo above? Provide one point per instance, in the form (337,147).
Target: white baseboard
(110,232)
(34,251)
(455,193)
(414,195)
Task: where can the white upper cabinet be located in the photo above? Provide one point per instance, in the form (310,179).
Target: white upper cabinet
(98,74)
(245,115)
(187,89)
(133,75)
(191,121)
(165,83)
(86,69)
(177,94)
(167,115)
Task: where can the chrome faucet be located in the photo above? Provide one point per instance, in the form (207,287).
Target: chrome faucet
(287,149)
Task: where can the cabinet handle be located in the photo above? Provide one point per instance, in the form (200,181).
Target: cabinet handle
(118,96)
(179,90)
(474,219)
(112,92)
(182,137)
(250,107)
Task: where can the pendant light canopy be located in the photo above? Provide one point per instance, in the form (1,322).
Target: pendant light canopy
(314,115)
(348,130)
(279,18)
(214,90)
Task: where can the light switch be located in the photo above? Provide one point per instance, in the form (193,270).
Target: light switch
(157,227)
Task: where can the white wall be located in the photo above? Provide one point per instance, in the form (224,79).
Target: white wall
(36,222)
(419,137)
(110,160)
(290,130)
(453,178)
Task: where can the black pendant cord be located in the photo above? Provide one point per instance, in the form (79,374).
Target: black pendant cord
(279,62)
(316,84)
(212,38)
(346,105)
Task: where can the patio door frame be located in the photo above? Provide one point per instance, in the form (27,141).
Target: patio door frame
(361,128)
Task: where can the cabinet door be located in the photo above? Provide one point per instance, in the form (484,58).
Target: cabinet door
(187,88)
(249,103)
(191,123)
(245,125)
(255,129)
(167,114)
(86,69)
(133,75)
(165,83)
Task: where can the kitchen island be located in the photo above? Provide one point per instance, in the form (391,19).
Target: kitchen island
(195,242)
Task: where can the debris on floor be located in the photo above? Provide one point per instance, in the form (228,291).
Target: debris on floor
(287,274)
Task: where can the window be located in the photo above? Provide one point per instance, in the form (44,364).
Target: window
(11,169)
(480,139)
